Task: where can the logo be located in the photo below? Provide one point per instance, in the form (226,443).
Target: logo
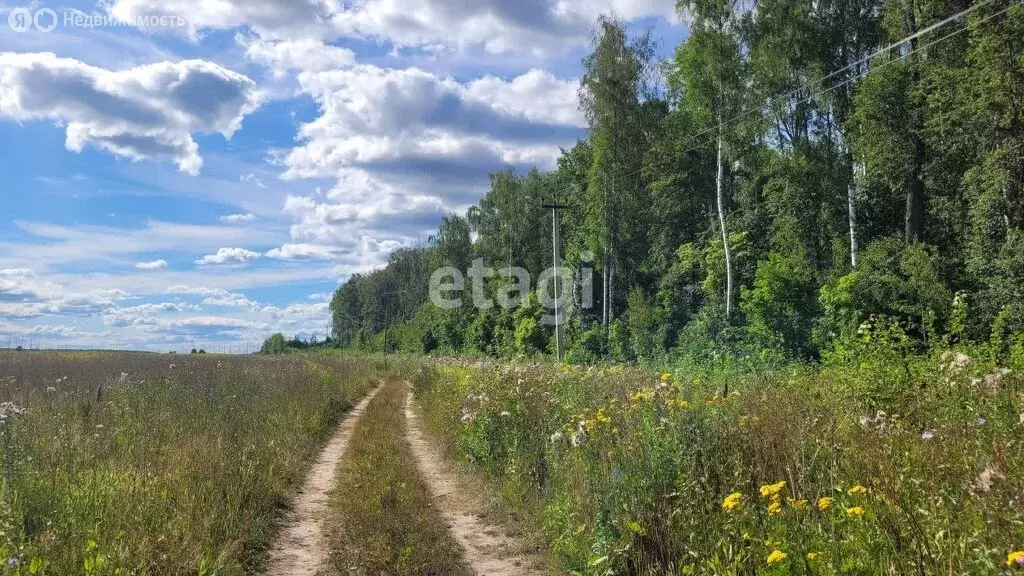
(23,20)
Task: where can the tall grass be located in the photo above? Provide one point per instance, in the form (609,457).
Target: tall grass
(885,463)
(146,464)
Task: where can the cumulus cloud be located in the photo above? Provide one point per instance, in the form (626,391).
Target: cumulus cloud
(378,115)
(228,256)
(144,113)
(24,294)
(153,265)
(136,315)
(538,95)
(286,18)
(284,56)
(500,26)
(304,252)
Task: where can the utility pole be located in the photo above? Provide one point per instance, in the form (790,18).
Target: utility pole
(556,256)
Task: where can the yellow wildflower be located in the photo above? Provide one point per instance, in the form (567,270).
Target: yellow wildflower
(776,557)
(855,512)
(775,508)
(769,490)
(680,404)
(1015,558)
(825,503)
(665,376)
(812,555)
(798,504)
(857,490)
(732,501)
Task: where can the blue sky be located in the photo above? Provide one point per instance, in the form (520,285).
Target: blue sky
(206,172)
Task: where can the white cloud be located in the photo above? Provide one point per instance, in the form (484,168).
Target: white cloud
(251,178)
(304,252)
(537,95)
(214,296)
(24,294)
(228,256)
(284,56)
(153,265)
(271,17)
(235,218)
(94,243)
(144,113)
(499,26)
(432,130)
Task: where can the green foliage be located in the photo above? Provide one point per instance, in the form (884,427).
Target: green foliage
(782,304)
(275,344)
(897,193)
(622,471)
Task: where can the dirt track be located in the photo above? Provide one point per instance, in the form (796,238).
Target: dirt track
(488,549)
(300,549)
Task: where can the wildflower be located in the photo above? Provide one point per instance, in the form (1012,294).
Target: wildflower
(927,435)
(824,503)
(798,504)
(855,512)
(769,490)
(1015,559)
(776,557)
(732,501)
(857,490)
(981,421)
(665,377)
(775,508)
(812,555)
(51,389)
(13,562)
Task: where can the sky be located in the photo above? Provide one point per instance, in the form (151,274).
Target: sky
(203,173)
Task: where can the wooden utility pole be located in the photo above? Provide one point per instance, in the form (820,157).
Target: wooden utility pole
(557,259)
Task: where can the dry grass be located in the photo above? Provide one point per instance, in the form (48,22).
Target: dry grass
(146,464)
(383,520)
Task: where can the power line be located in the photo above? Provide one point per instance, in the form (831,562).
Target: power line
(866,59)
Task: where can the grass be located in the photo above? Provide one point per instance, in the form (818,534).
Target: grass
(116,463)
(383,522)
(886,463)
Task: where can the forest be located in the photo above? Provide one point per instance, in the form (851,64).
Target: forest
(796,173)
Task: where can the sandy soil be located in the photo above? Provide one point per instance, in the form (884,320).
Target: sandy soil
(300,549)
(489,549)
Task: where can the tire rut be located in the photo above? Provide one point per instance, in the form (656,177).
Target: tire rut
(300,549)
(489,549)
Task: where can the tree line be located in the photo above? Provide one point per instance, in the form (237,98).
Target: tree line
(795,170)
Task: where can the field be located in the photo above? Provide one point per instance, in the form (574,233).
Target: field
(154,464)
(159,464)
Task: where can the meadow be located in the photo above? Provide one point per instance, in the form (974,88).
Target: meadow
(878,461)
(119,463)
